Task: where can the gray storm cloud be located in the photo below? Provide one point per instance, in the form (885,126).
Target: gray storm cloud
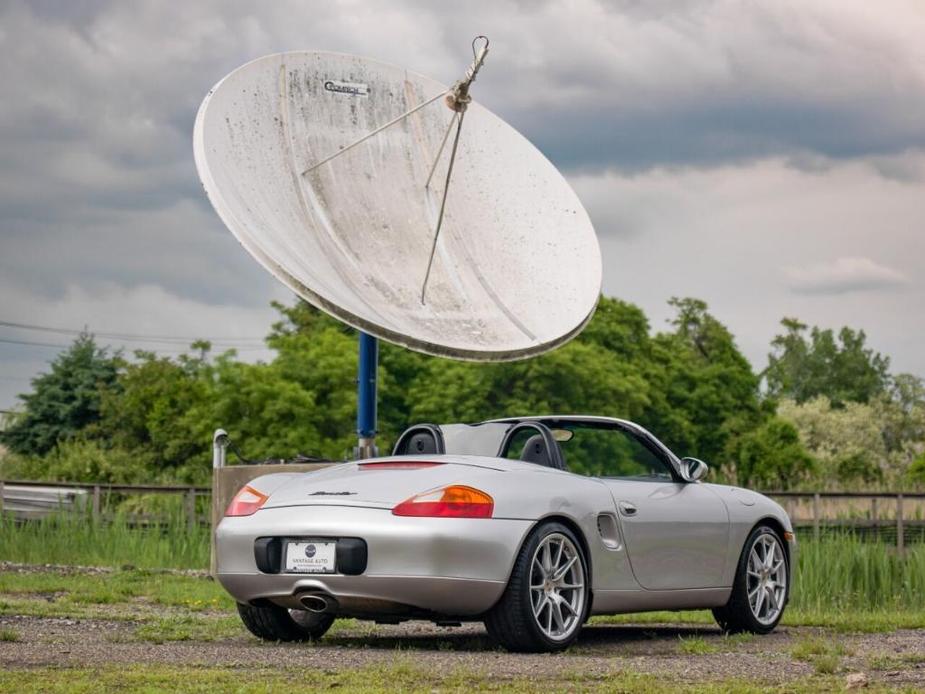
(713,143)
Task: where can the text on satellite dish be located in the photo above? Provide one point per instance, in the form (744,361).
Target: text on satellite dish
(354,88)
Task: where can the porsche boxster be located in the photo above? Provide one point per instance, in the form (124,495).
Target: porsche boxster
(529,524)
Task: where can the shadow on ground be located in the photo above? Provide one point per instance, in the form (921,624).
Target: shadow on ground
(603,636)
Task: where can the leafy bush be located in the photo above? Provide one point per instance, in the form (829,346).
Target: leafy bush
(772,456)
(916,472)
(97,417)
(75,461)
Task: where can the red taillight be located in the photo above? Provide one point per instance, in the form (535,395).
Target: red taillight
(246,502)
(456,501)
(398,465)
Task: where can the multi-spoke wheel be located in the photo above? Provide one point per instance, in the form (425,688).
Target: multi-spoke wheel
(766,578)
(557,586)
(759,593)
(545,602)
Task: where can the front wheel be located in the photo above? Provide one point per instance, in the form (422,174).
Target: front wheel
(275,623)
(761,587)
(545,602)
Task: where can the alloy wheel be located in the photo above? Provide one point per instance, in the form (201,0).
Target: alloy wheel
(557,587)
(767,579)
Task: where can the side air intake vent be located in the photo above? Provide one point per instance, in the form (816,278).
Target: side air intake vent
(607,528)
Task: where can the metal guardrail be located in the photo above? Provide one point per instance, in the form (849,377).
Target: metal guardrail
(99,490)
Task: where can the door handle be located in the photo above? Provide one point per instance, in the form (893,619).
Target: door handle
(627,509)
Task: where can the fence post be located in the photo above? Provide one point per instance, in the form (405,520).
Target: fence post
(875,516)
(816,516)
(191,509)
(1,496)
(900,539)
(219,443)
(96,502)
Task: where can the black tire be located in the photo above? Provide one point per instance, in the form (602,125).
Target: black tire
(736,616)
(275,623)
(511,622)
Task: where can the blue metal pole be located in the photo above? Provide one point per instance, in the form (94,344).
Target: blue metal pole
(366,396)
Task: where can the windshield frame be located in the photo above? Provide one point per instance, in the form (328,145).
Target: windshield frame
(488,438)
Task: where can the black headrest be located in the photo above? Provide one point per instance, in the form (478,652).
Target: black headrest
(422,442)
(420,439)
(535,451)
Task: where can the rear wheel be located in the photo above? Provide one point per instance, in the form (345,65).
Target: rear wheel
(275,623)
(545,602)
(761,587)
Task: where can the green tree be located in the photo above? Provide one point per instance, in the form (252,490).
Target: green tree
(772,456)
(860,444)
(594,373)
(916,472)
(64,401)
(841,368)
(705,392)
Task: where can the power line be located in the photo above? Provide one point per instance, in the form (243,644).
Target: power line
(127,337)
(29,343)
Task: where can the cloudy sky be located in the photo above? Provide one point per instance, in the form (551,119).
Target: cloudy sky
(766,157)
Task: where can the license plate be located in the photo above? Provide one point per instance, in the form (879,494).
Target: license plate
(310,557)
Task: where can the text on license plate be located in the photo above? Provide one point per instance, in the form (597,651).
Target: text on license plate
(310,557)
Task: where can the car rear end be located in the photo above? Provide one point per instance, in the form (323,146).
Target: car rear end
(386,539)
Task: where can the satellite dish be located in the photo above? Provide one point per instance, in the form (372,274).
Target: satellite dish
(332,171)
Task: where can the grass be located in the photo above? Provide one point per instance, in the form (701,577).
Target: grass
(123,586)
(697,645)
(841,582)
(400,675)
(189,628)
(162,606)
(894,662)
(159,607)
(845,572)
(78,539)
(824,655)
(848,620)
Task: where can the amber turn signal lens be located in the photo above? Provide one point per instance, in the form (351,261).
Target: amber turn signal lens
(789,536)
(456,501)
(246,502)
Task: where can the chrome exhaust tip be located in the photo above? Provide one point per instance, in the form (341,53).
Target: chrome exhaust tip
(316,603)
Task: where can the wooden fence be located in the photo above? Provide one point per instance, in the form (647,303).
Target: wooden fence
(893,517)
(898,517)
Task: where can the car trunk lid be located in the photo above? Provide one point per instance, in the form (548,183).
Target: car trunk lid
(382,483)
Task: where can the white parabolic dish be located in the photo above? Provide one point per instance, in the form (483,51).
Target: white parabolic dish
(517,270)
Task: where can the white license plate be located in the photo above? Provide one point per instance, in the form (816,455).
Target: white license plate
(310,557)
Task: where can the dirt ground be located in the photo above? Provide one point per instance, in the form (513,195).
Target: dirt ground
(894,659)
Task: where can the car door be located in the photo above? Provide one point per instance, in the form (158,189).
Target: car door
(676,533)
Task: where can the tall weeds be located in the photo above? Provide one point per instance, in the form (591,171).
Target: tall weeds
(76,538)
(834,573)
(843,571)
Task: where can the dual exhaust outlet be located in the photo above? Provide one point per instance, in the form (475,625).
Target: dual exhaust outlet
(318,602)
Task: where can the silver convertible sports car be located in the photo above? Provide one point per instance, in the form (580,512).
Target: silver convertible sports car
(529,524)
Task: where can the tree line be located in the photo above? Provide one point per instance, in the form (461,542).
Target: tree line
(825,413)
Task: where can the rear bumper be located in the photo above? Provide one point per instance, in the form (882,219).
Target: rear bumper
(449,566)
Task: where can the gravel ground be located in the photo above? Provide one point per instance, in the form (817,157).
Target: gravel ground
(601,649)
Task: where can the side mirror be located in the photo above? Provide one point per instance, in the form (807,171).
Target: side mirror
(693,469)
